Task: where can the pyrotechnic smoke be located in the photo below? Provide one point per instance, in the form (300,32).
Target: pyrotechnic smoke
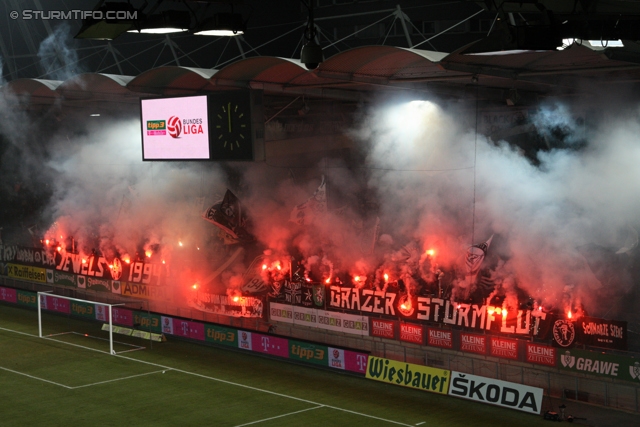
(542,214)
(58,60)
(110,201)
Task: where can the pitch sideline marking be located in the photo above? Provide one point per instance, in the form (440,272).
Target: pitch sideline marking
(280,416)
(118,379)
(35,378)
(224,381)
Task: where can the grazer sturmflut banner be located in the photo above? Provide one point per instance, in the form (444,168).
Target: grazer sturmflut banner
(502,393)
(479,317)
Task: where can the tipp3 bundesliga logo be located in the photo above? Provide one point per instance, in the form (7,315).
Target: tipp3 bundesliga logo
(175,127)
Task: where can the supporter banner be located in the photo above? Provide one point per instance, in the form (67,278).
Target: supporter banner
(22,272)
(244,340)
(62,278)
(502,347)
(408,375)
(412,333)
(52,303)
(502,393)
(116,287)
(97,284)
(86,265)
(227,306)
(147,321)
(141,291)
(333,321)
(83,309)
(308,352)
(473,343)
(439,338)
(221,335)
(602,333)
(541,354)
(607,365)
(274,346)
(188,329)
(384,328)
(480,317)
(298,293)
(8,295)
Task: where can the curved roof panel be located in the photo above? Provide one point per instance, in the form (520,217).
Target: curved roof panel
(34,87)
(172,80)
(383,63)
(95,86)
(263,69)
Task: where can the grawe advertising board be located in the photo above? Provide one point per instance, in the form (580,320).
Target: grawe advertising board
(502,393)
(175,128)
(597,363)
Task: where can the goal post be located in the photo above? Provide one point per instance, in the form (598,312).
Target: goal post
(60,304)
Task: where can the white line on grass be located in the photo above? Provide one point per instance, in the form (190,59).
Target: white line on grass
(420,423)
(225,381)
(36,378)
(280,416)
(117,379)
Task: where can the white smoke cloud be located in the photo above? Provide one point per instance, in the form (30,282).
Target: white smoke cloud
(543,212)
(57,58)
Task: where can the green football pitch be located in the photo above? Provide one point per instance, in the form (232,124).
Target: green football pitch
(72,380)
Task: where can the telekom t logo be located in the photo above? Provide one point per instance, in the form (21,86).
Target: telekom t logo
(265,343)
(361,361)
(185,328)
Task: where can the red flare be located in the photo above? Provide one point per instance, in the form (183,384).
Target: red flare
(386,277)
(498,310)
(235,299)
(328,280)
(264,266)
(569,315)
(504,313)
(84,261)
(491,310)
(127,260)
(431,252)
(195,286)
(46,241)
(59,248)
(356,279)
(111,266)
(278,267)
(148,253)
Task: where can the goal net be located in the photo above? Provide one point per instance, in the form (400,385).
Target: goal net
(84,323)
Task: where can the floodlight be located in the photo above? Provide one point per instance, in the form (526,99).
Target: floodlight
(222,25)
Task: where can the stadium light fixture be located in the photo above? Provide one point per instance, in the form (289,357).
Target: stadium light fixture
(222,25)
(109,21)
(168,22)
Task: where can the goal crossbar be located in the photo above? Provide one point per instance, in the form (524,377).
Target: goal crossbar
(42,295)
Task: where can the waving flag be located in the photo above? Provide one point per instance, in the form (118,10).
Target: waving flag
(229,216)
(475,256)
(315,206)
